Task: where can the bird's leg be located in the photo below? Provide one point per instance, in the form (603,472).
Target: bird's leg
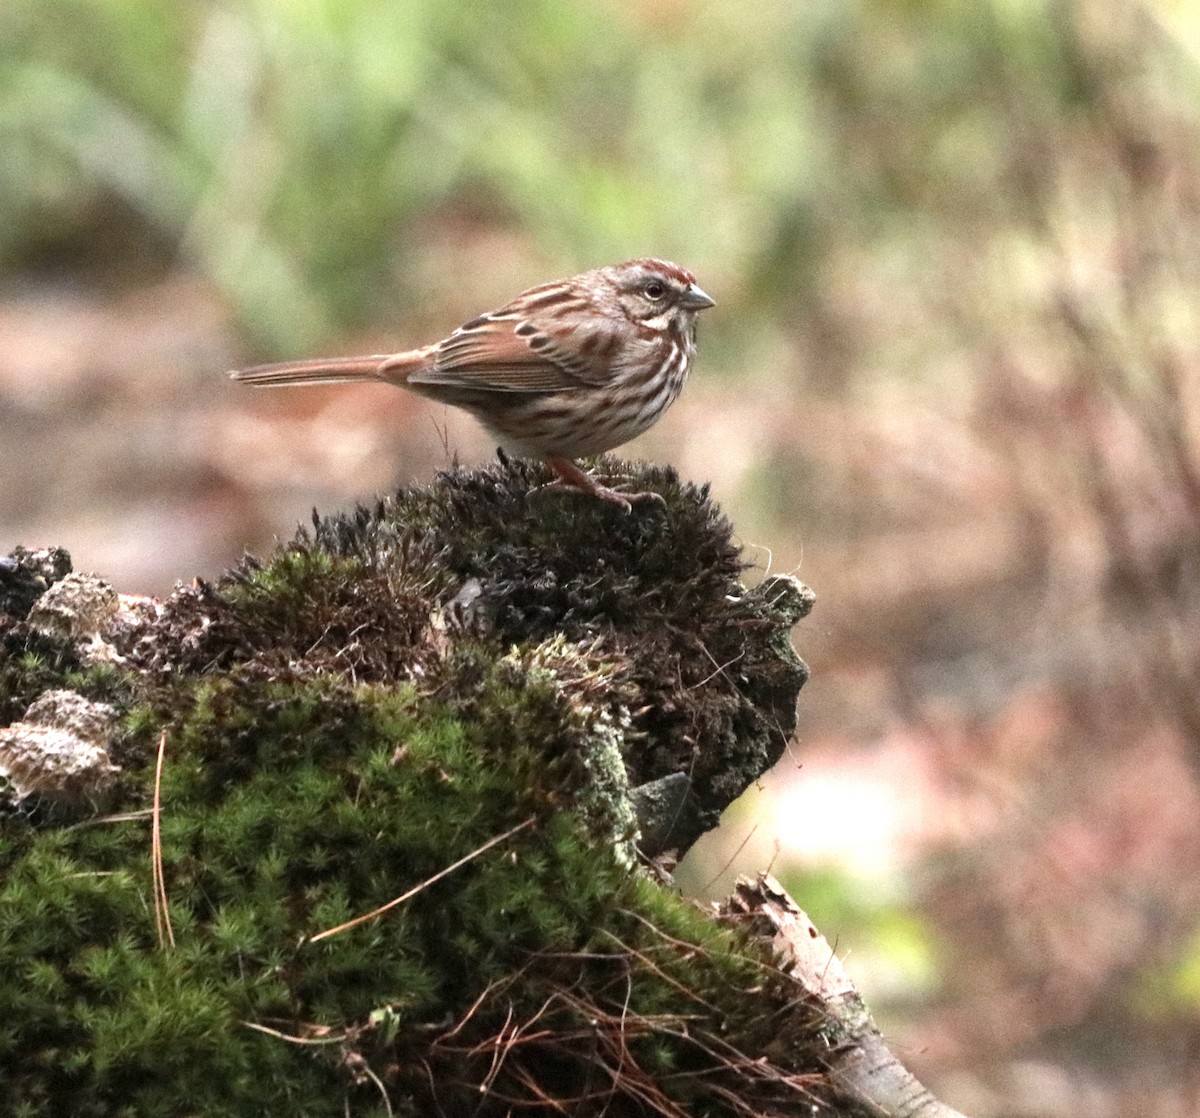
(571,476)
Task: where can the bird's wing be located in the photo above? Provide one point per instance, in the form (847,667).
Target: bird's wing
(561,347)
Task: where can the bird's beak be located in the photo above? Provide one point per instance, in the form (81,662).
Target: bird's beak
(694,299)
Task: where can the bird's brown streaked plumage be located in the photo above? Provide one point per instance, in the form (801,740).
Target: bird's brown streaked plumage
(567,369)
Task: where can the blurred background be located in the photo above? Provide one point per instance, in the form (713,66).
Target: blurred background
(953,383)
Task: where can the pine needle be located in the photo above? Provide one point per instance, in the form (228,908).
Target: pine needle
(162,913)
(396,901)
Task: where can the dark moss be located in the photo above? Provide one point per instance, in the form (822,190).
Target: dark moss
(658,587)
(303,612)
(26,574)
(30,663)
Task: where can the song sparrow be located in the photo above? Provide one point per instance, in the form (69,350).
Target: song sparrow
(567,369)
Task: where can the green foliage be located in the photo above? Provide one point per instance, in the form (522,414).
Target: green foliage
(892,942)
(301,155)
(1173,988)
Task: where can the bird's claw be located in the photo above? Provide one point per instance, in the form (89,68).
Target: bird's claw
(572,477)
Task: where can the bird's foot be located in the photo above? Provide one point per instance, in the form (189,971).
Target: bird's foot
(571,476)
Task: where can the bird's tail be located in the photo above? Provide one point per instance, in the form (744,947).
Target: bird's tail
(389,368)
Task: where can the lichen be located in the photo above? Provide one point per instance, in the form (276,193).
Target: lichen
(59,753)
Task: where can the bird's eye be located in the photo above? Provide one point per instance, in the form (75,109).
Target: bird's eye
(655,290)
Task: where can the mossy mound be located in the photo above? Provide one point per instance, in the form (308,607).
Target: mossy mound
(449,695)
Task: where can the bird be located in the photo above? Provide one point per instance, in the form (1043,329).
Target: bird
(567,369)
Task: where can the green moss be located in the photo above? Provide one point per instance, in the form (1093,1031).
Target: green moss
(340,724)
(284,812)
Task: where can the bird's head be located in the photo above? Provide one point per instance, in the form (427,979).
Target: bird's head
(655,293)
